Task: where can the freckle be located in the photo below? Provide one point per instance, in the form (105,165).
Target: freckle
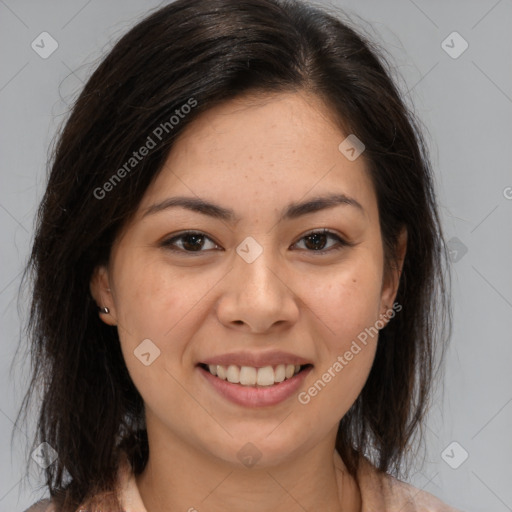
(354,280)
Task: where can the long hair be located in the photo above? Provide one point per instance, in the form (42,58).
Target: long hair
(201,53)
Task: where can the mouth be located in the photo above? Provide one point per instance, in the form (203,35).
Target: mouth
(254,387)
(255,377)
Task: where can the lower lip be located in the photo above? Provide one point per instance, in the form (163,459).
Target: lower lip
(251,396)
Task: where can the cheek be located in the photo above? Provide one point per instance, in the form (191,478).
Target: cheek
(151,296)
(151,304)
(346,307)
(143,294)
(346,299)
(147,306)
(337,384)
(157,302)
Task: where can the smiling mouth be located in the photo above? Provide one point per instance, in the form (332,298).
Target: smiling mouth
(249,376)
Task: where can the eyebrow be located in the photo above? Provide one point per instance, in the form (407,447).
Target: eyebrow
(292,211)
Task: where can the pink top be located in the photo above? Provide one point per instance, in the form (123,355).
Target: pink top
(380,492)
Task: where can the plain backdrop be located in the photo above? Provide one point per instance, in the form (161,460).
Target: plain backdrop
(464,100)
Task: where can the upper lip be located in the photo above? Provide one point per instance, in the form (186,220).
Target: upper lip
(256,359)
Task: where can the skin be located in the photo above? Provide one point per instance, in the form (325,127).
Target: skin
(254,155)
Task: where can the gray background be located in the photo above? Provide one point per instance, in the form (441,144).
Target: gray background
(466,105)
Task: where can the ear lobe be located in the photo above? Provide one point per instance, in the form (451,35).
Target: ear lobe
(392,280)
(100,290)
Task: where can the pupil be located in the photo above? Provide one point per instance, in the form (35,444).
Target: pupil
(194,245)
(318,239)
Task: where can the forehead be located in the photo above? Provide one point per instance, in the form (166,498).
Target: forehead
(262,122)
(262,148)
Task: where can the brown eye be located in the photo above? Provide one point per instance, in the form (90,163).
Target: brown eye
(193,242)
(317,241)
(190,241)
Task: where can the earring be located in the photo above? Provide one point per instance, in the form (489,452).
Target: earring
(103,310)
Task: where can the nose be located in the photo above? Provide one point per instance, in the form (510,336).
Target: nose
(259,296)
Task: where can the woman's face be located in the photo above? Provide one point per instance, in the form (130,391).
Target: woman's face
(252,288)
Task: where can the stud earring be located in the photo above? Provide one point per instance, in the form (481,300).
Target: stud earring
(103,310)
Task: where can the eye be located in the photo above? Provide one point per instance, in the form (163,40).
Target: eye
(196,241)
(316,241)
(189,241)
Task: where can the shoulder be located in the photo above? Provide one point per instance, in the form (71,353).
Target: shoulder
(126,488)
(387,493)
(45,505)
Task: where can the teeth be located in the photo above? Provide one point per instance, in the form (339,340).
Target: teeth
(233,374)
(265,376)
(279,373)
(250,376)
(221,372)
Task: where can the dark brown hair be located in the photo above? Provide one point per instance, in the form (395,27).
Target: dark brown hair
(210,51)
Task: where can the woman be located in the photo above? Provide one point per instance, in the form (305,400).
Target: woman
(239,290)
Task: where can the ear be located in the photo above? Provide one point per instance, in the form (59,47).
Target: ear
(101,292)
(391,281)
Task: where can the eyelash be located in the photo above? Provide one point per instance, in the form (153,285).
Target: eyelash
(169,243)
